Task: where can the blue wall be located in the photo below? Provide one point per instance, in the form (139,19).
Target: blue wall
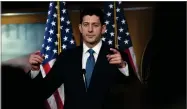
(21,39)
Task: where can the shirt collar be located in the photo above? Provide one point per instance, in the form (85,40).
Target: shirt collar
(95,48)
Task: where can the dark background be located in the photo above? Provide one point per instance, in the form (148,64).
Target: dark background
(43,6)
(167,82)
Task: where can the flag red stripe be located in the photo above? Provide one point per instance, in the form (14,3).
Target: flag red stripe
(46,68)
(56,94)
(130,59)
(47,106)
(58,100)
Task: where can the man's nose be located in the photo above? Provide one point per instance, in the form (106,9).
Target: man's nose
(90,28)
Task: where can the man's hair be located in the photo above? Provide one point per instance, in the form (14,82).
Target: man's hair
(92,11)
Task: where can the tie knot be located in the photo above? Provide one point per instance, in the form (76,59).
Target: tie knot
(91,51)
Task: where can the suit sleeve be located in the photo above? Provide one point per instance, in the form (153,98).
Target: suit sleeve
(45,87)
(132,75)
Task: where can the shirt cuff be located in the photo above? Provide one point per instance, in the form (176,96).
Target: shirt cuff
(125,70)
(34,73)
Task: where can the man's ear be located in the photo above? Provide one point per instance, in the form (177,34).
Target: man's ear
(80,28)
(103,29)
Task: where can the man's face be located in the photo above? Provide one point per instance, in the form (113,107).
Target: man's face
(91,29)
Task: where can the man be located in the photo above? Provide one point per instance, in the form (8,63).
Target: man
(106,69)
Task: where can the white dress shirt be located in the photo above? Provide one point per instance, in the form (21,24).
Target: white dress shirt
(97,48)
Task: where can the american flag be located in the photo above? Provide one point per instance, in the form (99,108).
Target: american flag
(123,36)
(50,47)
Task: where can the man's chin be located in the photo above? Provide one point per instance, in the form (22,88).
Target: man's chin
(92,42)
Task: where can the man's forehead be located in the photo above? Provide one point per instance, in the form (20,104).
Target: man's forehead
(91,18)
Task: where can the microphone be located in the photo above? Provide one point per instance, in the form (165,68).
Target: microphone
(84,77)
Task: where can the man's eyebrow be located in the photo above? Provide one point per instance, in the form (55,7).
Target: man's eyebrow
(92,22)
(85,22)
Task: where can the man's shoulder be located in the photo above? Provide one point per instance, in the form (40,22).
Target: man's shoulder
(71,51)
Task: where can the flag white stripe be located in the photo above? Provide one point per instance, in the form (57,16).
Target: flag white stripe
(61,92)
(42,71)
(133,56)
(51,62)
(52,103)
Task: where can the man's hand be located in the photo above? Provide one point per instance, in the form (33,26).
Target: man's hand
(35,60)
(116,58)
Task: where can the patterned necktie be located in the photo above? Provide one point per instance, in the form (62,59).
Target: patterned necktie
(89,66)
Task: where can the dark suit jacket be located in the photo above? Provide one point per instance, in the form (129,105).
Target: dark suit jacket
(105,83)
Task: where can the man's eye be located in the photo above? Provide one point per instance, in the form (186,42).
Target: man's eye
(85,24)
(96,25)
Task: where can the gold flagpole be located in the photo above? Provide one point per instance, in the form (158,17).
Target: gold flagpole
(115,27)
(59,32)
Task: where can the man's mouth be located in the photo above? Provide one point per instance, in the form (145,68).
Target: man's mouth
(90,36)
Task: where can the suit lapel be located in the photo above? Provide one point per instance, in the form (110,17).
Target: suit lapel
(78,67)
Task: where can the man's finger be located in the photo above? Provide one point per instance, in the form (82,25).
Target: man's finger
(114,62)
(35,67)
(41,55)
(37,52)
(39,60)
(36,60)
(114,56)
(114,50)
(109,57)
(115,59)
(38,56)
(33,62)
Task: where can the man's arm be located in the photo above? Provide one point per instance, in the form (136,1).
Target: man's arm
(46,86)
